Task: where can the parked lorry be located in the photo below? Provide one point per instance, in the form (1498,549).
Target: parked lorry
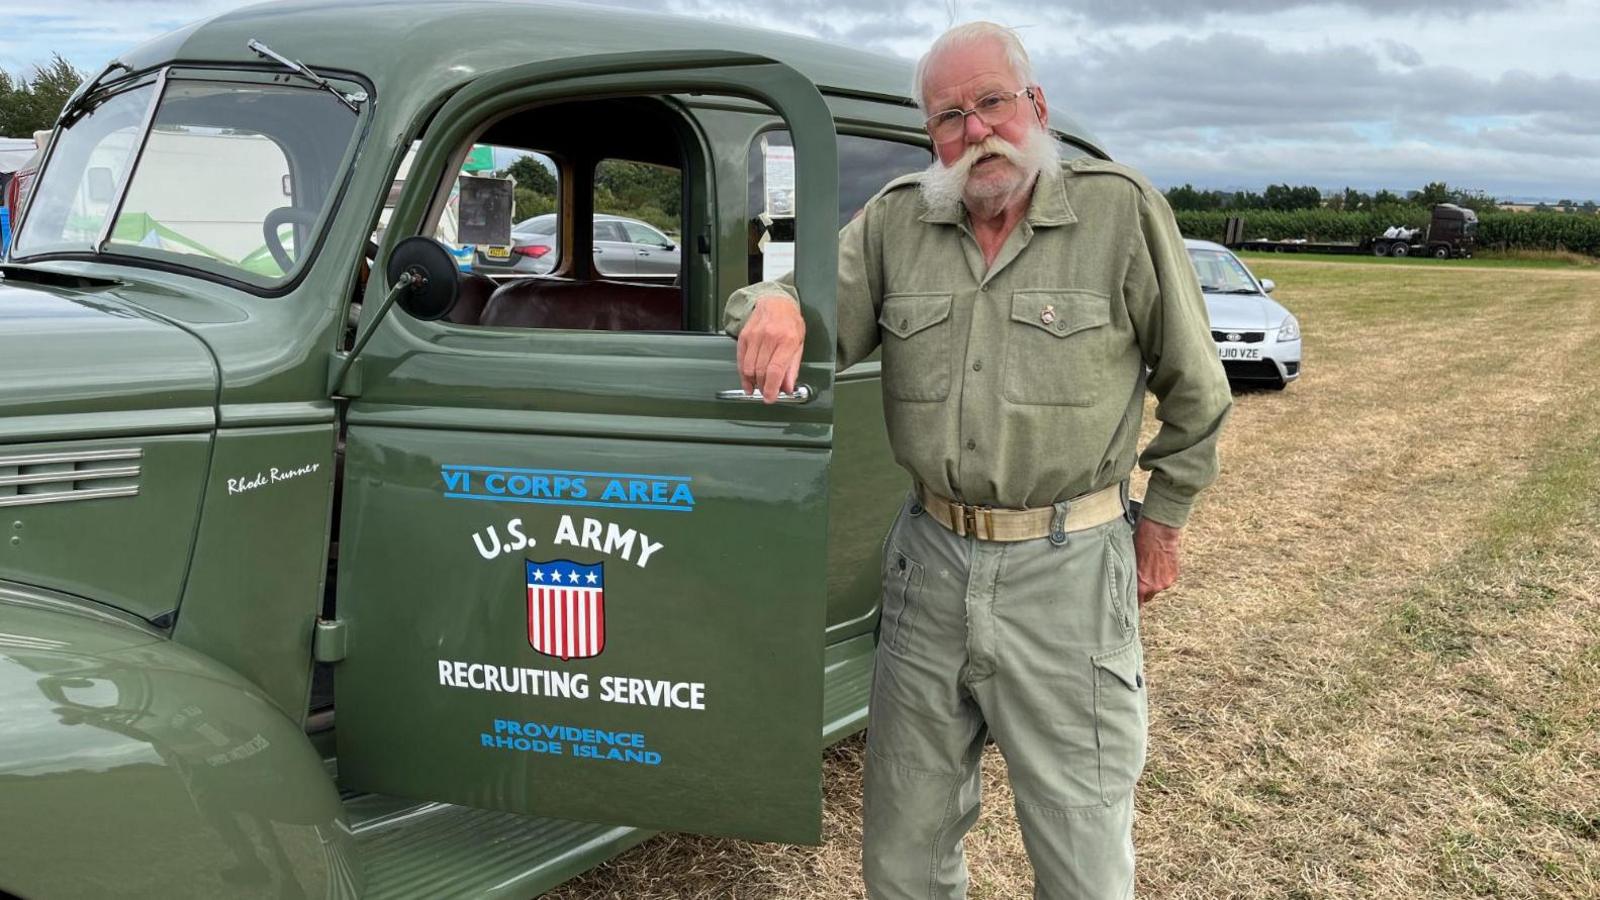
(354,575)
(1450,234)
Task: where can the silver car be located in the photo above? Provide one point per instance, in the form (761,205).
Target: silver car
(623,248)
(1258,340)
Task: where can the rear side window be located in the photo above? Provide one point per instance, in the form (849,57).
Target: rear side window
(645,235)
(534,211)
(605,189)
(865,166)
(639,207)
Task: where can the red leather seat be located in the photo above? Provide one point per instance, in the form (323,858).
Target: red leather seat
(541,302)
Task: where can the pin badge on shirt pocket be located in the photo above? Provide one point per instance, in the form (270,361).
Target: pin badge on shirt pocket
(1047,315)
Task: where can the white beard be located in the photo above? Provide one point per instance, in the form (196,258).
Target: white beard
(943,185)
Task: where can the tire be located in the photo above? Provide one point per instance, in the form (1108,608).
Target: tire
(1441,252)
(1380,249)
(1400,249)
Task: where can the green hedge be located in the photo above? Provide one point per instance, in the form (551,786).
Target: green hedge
(1499,230)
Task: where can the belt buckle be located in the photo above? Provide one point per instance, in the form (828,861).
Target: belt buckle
(970,518)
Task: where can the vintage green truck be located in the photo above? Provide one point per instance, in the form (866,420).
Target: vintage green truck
(307,592)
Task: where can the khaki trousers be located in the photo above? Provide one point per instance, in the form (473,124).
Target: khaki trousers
(1037,645)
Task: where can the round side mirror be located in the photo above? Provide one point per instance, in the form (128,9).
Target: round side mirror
(1267,285)
(432,280)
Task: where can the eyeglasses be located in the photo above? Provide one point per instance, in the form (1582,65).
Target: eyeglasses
(993,109)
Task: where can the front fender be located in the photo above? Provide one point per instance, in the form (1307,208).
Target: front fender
(132,766)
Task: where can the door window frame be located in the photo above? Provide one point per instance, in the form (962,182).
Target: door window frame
(463,119)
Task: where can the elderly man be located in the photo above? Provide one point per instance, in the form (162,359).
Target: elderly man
(1019,301)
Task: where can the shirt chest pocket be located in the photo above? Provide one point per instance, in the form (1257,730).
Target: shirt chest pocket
(1056,347)
(916,346)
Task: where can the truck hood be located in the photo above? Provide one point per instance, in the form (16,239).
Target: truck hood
(70,353)
(1244,312)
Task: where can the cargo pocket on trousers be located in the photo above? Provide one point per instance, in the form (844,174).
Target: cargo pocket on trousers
(916,346)
(902,582)
(1120,718)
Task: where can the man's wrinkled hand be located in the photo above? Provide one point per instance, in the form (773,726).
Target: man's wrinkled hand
(770,345)
(1155,547)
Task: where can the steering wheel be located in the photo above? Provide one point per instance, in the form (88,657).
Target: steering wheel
(284,215)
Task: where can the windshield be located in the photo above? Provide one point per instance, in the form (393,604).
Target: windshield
(1221,272)
(231,179)
(91,157)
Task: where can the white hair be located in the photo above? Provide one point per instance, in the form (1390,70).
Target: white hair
(966,35)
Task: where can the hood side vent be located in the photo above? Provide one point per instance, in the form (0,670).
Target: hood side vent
(36,478)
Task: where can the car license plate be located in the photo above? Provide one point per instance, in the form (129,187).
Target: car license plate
(499,253)
(1239,352)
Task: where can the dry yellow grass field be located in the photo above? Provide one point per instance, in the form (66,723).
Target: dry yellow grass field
(1379,674)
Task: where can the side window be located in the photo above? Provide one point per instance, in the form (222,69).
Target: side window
(632,201)
(645,235)
(865,166)
(535,208)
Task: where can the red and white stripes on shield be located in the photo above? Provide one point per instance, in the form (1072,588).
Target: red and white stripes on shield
(566,609)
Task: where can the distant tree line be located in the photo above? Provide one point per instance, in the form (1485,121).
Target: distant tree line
(536,189)
(637,190)
(1284,211)
(29,104)
(1284,197)
(1499,230)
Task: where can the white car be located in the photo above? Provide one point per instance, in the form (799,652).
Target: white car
(1257,339)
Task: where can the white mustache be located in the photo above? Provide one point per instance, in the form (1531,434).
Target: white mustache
(991,144)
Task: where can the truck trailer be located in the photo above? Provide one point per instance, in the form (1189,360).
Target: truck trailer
(1450,234)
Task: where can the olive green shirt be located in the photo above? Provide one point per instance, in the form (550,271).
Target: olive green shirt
(1022,383)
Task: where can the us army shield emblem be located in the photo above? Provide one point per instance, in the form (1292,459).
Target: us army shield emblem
(566,608)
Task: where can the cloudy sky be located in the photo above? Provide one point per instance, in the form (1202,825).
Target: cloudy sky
(1501,96)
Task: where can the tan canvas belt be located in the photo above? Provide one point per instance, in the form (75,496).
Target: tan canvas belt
(989,524)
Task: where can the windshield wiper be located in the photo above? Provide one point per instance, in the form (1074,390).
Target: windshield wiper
(303,70)
(78,105)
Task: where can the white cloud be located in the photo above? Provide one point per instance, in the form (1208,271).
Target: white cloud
(1494,94)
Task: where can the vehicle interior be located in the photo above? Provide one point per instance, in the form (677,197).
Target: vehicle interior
(579,290)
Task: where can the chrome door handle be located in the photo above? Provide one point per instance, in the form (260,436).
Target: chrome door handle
(802,394)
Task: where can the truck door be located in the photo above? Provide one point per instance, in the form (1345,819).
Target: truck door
(579,579)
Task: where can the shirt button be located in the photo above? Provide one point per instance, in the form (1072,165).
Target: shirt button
(984,288)
(971,444)
(977,366)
